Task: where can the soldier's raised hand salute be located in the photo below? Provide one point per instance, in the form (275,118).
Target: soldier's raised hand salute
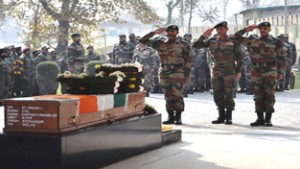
(208,32)
(159,30)
(250,28)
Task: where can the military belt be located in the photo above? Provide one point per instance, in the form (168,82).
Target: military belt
(223,64)
(263,64)
(171,66)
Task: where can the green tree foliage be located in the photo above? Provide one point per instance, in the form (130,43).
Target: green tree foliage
(52,21)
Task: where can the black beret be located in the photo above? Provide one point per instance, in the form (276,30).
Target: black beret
(280,36)
(122,35)
(75,34)
(221,24)
(187,34)
(90,47)
(172,27)
(267,24)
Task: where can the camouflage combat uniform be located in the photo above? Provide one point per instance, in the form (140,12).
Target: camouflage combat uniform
(199,62)
(28,70)
(175,62)
(92,56)
(122,52)
(146,58)
(155,80)
(268,61)
(227,61)
(7,78)
(40,58)
(290,61)
(76,58)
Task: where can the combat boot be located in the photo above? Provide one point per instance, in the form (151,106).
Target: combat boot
(228,117)
(178,118)
(170,119)
(260,120)
(268,120)
(147,93)
(154,90)
(221,117)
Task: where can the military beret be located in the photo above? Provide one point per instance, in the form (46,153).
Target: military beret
(75,35)
(285,35)
(122,35)
(12,47)
(18,48)
(267,24)
(221,24)
(280,36)
(172,27)
(90,47)
(45,48)
(25,50)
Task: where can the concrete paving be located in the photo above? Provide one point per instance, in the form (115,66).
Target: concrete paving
(207,146)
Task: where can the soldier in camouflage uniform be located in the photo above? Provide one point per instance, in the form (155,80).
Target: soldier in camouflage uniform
(189,87)
(42,57)
(6,72)
(267,56)
(199,63)
(155,87)
(92,55)
(290,61)
(133,40)
(176,62)
(76,55)
(145,56)
(227,58)
(123,51)
(28,69)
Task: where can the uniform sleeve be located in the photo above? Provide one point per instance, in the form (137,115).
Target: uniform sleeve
(293,53)
(239,57)
(188,61)
(238,36)
(280,58)
(134,56)
(201,43)
(154,43)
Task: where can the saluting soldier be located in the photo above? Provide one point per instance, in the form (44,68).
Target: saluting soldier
(176,61)
(227,63)
(267,56)
(76,54)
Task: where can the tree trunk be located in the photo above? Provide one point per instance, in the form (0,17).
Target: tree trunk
(190,15)
(62,37)
(170,11)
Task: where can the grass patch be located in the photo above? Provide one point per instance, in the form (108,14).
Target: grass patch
(297,79)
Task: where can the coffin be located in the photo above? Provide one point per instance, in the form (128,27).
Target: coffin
(56,114)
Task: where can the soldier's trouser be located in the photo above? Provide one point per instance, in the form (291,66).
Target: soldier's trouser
(200,77)
(172,86)
(208,77)
(148,80)
(264,85)
(242,80)
(223,88)
(288,70)
(26,87)
(155,81)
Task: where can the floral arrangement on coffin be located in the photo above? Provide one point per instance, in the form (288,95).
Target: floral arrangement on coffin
(134,76)
(101,83)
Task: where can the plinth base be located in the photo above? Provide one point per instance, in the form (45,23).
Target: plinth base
(93,147)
